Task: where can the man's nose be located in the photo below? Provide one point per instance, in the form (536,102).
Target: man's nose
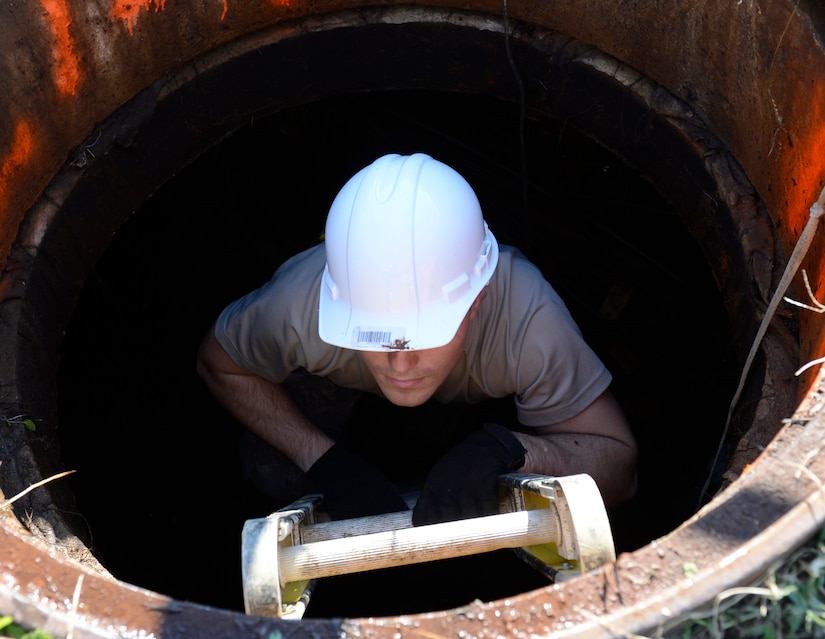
(402,361)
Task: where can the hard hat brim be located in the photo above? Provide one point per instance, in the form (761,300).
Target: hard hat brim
(433,326)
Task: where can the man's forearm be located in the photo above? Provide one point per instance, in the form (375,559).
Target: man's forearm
(263,407)
(611,463)
(273,416)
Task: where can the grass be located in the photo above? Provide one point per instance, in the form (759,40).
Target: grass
(10,629)
(788,604)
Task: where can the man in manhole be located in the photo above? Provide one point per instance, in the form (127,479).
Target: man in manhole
(411,299)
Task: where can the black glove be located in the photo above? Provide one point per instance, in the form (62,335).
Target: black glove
(352,487)
(464,482)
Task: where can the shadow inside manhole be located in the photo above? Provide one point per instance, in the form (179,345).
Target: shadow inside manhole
(158,480)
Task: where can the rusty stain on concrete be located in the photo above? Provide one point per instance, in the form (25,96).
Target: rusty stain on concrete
(66,69)
(765,101)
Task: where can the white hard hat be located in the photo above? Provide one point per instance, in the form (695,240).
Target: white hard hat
(408,251)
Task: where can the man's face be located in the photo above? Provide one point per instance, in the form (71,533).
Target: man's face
(409,378)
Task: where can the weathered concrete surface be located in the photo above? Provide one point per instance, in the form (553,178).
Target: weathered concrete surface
(754,73)
(753,70)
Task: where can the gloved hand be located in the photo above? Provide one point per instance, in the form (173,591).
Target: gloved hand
(352,487)
(464,482)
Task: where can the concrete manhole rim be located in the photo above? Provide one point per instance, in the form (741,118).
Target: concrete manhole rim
(38,585)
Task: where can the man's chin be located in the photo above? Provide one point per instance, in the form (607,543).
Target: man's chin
(407,398)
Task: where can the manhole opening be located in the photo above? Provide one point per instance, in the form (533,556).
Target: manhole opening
(158,480)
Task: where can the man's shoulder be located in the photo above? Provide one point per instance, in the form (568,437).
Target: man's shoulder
(516,275)
(513,263)
(286,292)
(301,271)
(310,260)
(519,290)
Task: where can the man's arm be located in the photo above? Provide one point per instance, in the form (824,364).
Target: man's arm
(263,407)
(598,441)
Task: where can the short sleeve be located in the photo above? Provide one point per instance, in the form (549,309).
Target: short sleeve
(273,331)
(526,344)
(557,374)
(264,331)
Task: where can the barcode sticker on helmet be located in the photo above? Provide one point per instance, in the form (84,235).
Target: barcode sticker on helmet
(373,336)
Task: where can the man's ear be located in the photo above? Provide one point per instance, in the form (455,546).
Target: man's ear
(471,314)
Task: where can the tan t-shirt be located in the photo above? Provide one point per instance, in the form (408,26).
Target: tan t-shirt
(523,342)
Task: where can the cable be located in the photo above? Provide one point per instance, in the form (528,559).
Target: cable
(799,252)
(522,119)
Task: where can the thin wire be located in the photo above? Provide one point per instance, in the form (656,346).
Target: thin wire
(799,252)
(522,119)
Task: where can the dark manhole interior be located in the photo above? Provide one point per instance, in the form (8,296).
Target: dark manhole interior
(158,482)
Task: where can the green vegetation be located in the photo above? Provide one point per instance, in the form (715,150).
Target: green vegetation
(26,422)
(788,604)
(10,629)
